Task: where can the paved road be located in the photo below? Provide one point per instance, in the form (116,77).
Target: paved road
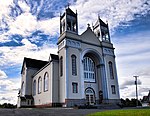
(47,112)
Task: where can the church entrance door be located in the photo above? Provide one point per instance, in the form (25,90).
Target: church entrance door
(90,96)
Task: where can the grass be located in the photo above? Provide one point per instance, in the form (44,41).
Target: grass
(125,112)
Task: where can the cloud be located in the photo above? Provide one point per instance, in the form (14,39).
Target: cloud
(50,26)
(144,89)
(24,24)
(132,58)
(130,83)
(9,90)
(2,74)
(6,85)
(12,56)
(39,7)
(144,72)
(4,8)
(23,5)
(28,44)
(116,12)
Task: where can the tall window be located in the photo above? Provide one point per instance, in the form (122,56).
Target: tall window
(46,82)
(39,85)
(113,89)
(34,87)
(111,70)
(89,72)
(74,65)
(74,87)
(61,66)
(22,89)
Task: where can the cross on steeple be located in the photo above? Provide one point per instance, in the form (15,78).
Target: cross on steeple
(68,4)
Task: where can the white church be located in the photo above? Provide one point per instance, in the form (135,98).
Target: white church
(83,71)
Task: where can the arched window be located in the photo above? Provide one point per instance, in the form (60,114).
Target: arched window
(39,85)
(61,66)
(89,69)
(34,87)
(22,89)
(46,82)
(111,70)
(74,65)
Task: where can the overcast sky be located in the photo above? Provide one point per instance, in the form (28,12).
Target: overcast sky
(30,28)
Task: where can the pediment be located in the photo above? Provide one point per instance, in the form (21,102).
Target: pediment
(89,37)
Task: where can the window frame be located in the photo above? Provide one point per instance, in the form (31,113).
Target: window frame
(113,89)
(74,87)
(89,69)
(74,65)
(111,71)
(46,80)
(39,85)
(61,66)
(34,87)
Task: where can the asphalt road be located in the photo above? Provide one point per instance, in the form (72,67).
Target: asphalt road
(47,112)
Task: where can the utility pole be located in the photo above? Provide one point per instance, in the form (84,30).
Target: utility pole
(136,89)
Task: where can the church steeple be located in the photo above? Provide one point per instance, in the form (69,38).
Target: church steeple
(68,22)
(101,30)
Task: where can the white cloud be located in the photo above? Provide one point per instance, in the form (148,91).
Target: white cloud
(24,24)
(50,26)
(39,7)
(132,57)
(114,11)
(14,55)
(2,74)
(9,89)
(28,44)
(4,8)
(24,6)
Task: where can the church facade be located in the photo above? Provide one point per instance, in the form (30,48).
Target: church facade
(83,71)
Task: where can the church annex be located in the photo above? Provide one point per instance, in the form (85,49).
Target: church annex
(83,72)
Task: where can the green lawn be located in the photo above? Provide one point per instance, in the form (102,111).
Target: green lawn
(123,112)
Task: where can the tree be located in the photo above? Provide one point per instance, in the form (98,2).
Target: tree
(7,105)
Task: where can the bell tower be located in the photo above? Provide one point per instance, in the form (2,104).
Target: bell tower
(68,22)
(101,30)
(69,47)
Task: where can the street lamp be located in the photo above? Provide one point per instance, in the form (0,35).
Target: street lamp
(136,90)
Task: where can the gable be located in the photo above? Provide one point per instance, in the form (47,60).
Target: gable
(33,63)
(89,37)
(53,57)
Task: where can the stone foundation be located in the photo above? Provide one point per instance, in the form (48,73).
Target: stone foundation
(49,105)
(74,102)
(111,101)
